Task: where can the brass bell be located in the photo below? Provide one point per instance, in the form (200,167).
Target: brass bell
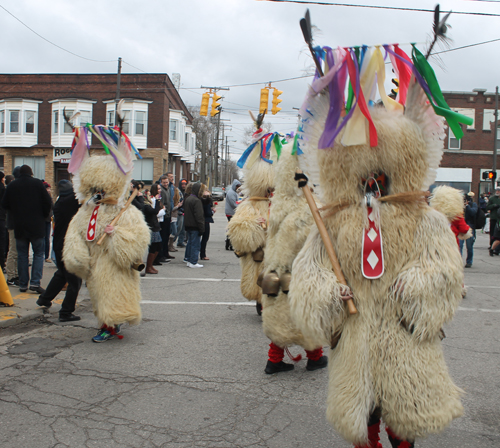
(271,284)
(285,281)
(258,255)
(259,279)
(238,253)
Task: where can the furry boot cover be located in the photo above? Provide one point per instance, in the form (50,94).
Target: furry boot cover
(396,442)
(373,432)
(171,247)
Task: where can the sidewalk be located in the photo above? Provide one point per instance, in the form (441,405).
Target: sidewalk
(25,307)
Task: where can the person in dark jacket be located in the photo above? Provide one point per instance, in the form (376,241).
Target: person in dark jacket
(194,222)
(30,204)
(11,253)
(3,216)
(470,218)
(48,225)
(494,208)
(152,207)
(65,208)
(208,212)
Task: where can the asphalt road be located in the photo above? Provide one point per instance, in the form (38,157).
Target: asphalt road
(192,374)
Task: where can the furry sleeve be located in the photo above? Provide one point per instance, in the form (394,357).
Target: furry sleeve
(429,289)
(130,239)
(245,233)
(315,293)
(76,254)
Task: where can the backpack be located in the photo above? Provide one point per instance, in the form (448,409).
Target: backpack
(480,220)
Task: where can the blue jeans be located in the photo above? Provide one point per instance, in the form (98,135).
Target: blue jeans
(193,246)
(181,232)
(23,245)
(470,247)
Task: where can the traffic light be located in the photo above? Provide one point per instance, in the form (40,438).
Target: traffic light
(492,175)
(215,105)
(264,100)
(276,101)
(205,98)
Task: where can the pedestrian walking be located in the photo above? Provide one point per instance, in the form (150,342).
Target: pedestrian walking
(181,231)
(65,208)
(48,224)
(11,252)
(208,212)
(230,207)
(470,214)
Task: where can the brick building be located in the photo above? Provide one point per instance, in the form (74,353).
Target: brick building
(465,160)
(33,130)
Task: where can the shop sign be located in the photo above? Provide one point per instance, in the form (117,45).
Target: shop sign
(62,155)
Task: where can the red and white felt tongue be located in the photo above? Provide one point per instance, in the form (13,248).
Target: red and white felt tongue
(372,253)
(92,224)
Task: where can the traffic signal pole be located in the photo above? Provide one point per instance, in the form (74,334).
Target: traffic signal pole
(494,169)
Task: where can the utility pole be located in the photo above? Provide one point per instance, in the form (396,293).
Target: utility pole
(118,81)
(216,152)
(495,132)
(203,157)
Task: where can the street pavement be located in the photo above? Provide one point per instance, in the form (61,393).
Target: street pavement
(192,373)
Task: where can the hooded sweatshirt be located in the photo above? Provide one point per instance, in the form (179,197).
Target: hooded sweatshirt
(194,218)
(231,198)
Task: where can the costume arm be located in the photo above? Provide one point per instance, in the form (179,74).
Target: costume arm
(246,234)
(129,240)
(429,288)
(315,293)
(76,254)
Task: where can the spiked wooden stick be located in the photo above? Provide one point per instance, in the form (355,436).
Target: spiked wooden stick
(324,236)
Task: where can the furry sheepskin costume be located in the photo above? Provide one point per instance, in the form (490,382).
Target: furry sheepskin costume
(389,355)
(246,232)
(112,283)
(290,222)
(450,202)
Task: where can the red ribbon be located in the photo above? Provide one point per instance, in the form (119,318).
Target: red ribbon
(404,74)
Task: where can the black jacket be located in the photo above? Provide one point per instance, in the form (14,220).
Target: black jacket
(194,218)
(64,210)
(150,215)
(3,213)
(207,209)
(29,204)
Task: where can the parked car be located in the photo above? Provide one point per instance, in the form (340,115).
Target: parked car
(217,194)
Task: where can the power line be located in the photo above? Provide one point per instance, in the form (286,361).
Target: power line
(50,42)
(397,8)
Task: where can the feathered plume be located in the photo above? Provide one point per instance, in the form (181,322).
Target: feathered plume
(305,25)
(70,119)
(120,116)
(439,30)
(260,119)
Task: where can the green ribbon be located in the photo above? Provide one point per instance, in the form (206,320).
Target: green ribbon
(350,93)
(296,150)
(436,97)
(277,144)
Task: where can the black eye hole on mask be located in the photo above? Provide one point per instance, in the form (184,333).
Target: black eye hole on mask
(376,184)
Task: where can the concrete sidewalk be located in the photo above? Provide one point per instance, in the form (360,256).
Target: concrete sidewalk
(25,307)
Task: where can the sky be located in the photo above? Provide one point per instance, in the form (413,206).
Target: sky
(239,44)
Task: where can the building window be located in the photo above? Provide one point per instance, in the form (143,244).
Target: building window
(68,129)
(453,142)
(37,164)
(143,170)
(140,123)
(2,163)
(84,118)
(470,113)
(111,118)
(126,121)
(488,119)
(173,130)
(2,122)
(186,142)
(29,122)
(55,123)
(14,122)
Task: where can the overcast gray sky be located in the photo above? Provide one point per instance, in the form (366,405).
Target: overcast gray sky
(236,42)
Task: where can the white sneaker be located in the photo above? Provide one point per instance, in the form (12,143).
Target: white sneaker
(197,265)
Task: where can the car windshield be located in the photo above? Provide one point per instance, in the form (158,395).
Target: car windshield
(216,190)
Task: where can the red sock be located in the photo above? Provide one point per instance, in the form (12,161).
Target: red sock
(373,437)
(396,442)
(314,355)
(275,353)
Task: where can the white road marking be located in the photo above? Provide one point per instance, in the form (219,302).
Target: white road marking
(173,302)
(195,279)
(461,308)
(481,286)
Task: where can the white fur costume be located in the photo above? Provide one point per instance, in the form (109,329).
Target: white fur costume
(112,283)
(389,354)
(290,222)
(247,235)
